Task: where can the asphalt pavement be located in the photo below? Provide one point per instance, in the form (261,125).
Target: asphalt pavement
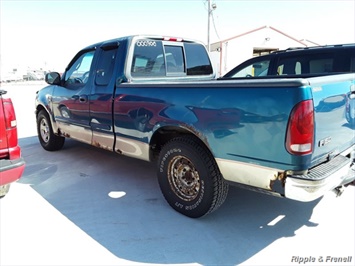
(86,206)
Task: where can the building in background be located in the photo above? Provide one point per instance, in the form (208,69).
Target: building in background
(228,53)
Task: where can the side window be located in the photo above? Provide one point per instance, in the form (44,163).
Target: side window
(105,67)
(351,54)
(255,69)
(290,66)
(198,62)
(174,59)
(298,68)
(79,71)
(321,65)
(306,64)
(352,64)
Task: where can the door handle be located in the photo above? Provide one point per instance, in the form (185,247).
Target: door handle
(352,91)
(83,98)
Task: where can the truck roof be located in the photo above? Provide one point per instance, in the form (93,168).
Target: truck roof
(138,36)
(317,48)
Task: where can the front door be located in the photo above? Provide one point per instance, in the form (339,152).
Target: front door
(71,101)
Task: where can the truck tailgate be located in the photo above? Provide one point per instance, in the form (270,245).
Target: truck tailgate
(334,100)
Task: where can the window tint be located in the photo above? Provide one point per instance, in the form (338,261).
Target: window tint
(255,69)
(306,64)
(105,67)
(289,66)
(148,59)
(78,73)
(352,64)
(154,58)
(198,62)
(321,65)
(174,59)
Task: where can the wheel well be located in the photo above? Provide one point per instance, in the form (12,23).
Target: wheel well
(39,108)
(163,135)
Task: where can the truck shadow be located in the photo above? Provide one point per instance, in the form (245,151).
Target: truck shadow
(117,201)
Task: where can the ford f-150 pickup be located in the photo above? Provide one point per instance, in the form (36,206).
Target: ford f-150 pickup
(11,163)
(157,99)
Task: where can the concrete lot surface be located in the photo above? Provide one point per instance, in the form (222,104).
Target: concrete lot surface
(86,206)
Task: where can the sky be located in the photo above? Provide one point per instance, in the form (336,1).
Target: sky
(48,33)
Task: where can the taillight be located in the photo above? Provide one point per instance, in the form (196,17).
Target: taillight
(11,129)
(173,39)
(300,130)
(10,117)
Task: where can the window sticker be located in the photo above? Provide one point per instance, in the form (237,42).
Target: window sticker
(147,43)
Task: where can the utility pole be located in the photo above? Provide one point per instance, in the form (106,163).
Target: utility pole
(211,7)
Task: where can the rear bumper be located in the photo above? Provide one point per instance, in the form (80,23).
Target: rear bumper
(11,170)
(321,179)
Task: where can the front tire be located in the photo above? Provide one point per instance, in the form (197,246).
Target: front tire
(189,178)
(46,136)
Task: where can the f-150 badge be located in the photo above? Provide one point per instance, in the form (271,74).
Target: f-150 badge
(324,142)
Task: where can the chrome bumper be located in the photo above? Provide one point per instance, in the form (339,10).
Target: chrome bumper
(321,179)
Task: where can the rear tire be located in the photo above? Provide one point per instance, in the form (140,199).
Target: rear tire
(189,178)
(46,136)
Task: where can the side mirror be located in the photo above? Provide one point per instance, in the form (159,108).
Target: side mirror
(52,78)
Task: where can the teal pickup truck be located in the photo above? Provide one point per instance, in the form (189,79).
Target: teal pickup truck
(157,99)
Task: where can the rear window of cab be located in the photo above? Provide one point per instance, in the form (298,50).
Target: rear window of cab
(158,58)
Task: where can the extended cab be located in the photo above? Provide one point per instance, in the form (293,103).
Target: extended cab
(11,163)
(157,99)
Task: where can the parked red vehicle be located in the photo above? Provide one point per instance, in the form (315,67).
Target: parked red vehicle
(12,164)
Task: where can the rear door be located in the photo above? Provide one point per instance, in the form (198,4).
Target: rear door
(101,97)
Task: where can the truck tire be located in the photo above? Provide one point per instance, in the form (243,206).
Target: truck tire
(4,190)
(47,138)
(189,178)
